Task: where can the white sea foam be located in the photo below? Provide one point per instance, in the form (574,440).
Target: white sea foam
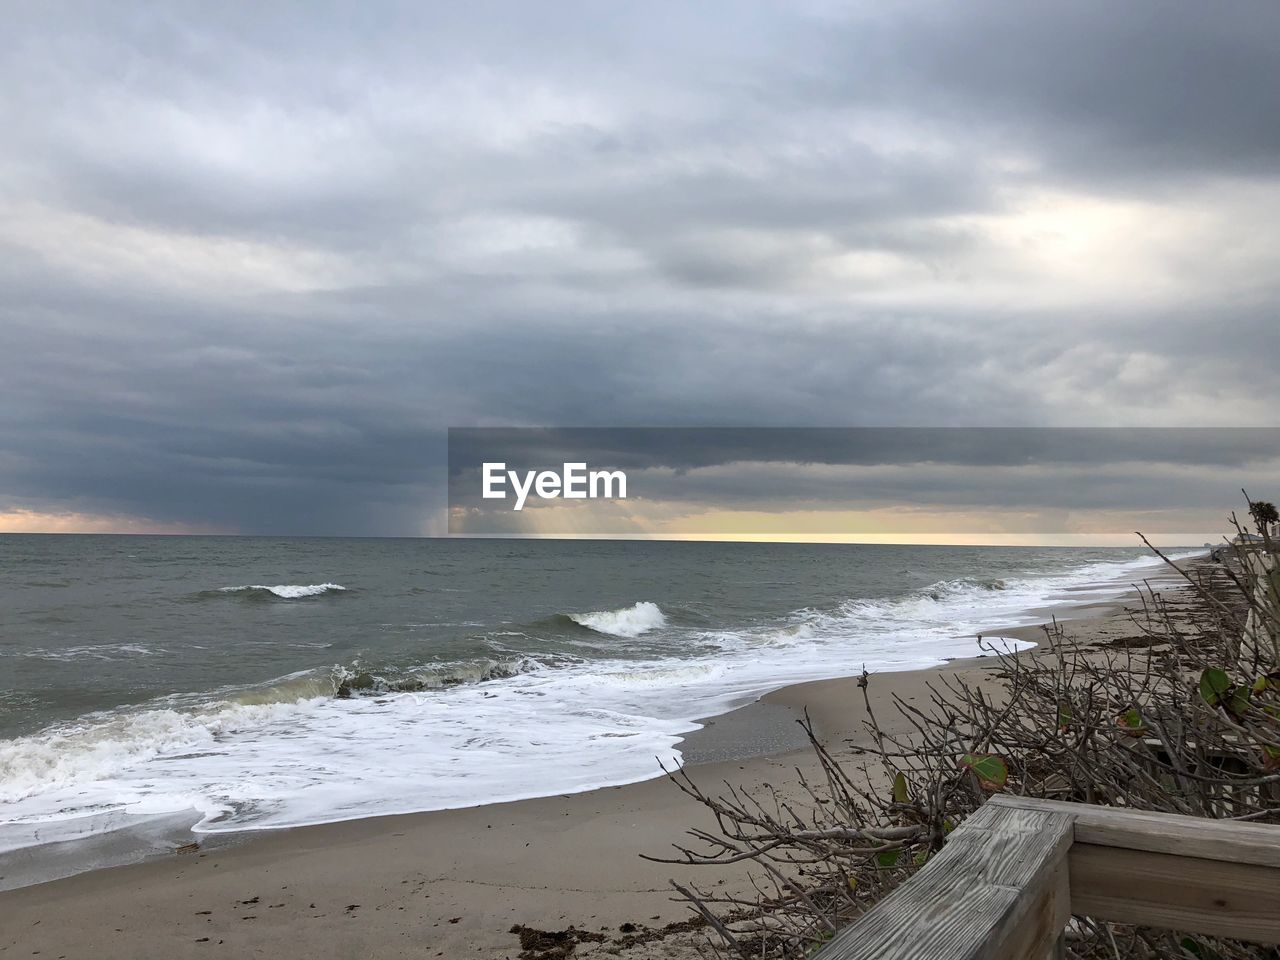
(99,651)
(585,724)
(288,591)
(76,755)
(626,622)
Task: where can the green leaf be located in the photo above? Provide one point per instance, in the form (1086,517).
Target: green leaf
(1238,703)
(900,794)
(1214,685)
(992,772)
(1131,718)
(1065,715)
(887,859)
(1260,685)
(921,857)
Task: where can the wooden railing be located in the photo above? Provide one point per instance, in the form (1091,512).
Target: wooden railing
(1011,876)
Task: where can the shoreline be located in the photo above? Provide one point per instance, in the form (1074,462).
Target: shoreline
(458,880)
(759,727)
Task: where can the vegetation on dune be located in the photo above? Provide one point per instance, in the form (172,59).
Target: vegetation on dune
(1264,515)
(1183,717)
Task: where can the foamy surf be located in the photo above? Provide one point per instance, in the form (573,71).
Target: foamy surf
(627,622)
(76,756)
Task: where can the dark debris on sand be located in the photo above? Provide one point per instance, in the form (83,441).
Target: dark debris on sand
(552,944)
(635,936)
(558,944)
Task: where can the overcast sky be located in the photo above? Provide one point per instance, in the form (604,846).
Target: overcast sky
(254,258)
(879,484)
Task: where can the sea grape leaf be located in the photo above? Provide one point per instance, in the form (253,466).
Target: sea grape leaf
(1238,703)
(1214,684)
(900,794)
(1131,719)
(1065,715)
(888,859)
(992,772)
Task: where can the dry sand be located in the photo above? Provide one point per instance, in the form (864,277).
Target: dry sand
(453,883)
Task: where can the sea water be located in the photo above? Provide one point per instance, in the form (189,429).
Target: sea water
(257,683)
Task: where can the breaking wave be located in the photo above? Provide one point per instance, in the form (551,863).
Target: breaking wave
(285,591)
(625,622)
(944,589)
(84,752)
(357,681)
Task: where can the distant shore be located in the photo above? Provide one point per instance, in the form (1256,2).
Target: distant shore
(454,883)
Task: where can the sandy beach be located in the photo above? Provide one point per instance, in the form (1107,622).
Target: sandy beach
(457,883)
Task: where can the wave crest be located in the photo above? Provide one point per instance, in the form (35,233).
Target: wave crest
(285,591)
(963,587)
(624,622)
(357,681)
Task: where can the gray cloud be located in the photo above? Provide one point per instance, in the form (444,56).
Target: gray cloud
(1169,478)
(255,260)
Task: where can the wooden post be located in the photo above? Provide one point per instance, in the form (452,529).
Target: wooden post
(1217,877)
(1008,880)
(997,890)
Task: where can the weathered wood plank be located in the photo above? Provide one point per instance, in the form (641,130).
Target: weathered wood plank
(996,892)
(1252,843)
(1007,880)
(1061,913)
(1215,897)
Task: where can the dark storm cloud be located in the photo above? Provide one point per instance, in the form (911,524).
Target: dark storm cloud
(685,448)
(256,259)
(691,471)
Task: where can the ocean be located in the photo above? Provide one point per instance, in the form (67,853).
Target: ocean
(251,683)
